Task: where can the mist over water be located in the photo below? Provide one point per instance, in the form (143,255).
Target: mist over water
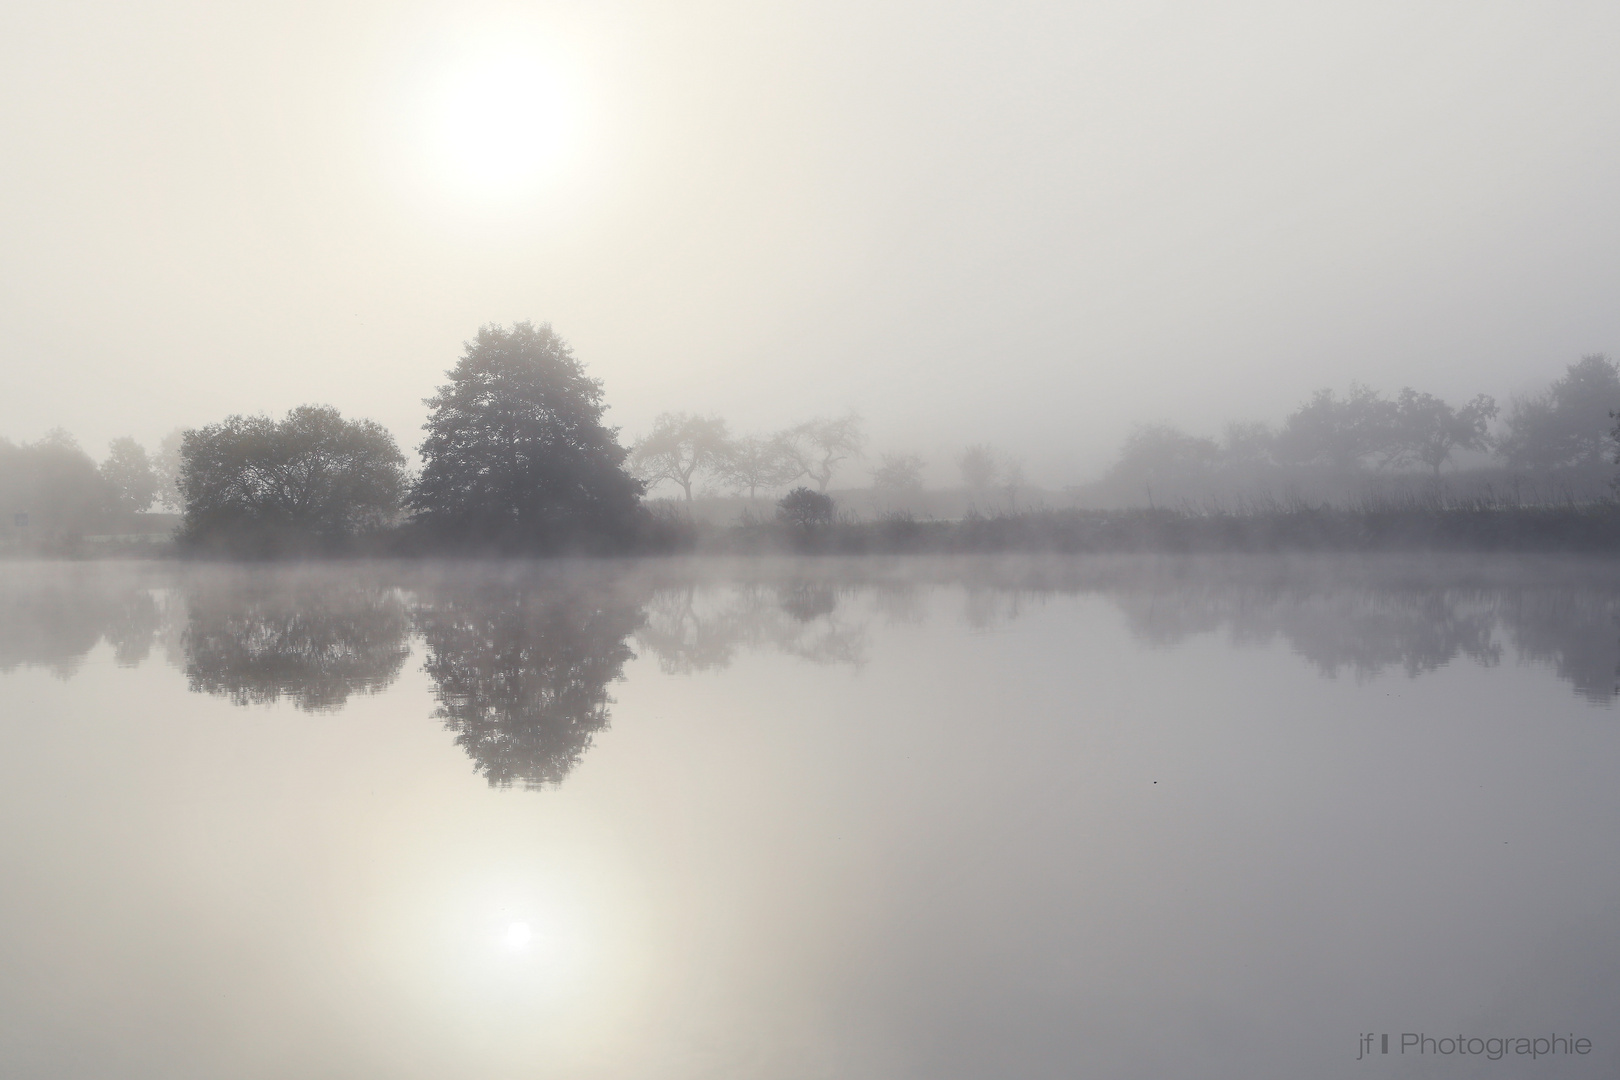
(1108,816)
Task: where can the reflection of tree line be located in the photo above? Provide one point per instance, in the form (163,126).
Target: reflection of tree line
(521,664)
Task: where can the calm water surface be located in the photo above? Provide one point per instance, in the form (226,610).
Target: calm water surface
(1094,818)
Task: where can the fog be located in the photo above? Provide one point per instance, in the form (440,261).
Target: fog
(1027,225)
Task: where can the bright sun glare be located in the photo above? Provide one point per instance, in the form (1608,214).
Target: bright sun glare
(518,936)
(500,122)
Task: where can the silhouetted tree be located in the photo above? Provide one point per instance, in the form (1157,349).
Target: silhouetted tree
(1163,455)
(128,471)
(979,468)
(521,673)
(516,455)
(751,463)
(898,474)
(679,448)
(818,446)
(313,641)
(51,493)
(252,483)
(1427,430)
(804,508)
(1339,432)
(1569,424)
(1247,445)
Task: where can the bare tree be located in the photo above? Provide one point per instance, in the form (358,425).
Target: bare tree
(752,462)
(679,447)
(817,446)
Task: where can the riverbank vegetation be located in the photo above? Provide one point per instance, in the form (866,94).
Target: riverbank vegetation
(517,460)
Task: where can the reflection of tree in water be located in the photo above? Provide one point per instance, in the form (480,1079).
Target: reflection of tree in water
(521,672)
(1362,631)
(1371,626)
(702,628)
(1574,631)
(313,640)
(53,618)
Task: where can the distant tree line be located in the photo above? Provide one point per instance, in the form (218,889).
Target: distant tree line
(517,458)
(1569,427)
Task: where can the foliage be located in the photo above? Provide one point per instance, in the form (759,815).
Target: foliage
(1569,424)
(751,463)
(252,480)
(818,446)
(679,447)
(1427,430)
(979,467)
(166,468)
(129,474)
(898,474)
(804,508)
(51,493)
(1339,432)
(516,455)
(1154,453)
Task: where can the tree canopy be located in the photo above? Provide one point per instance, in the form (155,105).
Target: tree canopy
(516,454)
(1568,425)
(314,475)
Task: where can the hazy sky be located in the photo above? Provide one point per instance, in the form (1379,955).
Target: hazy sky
(1023,223)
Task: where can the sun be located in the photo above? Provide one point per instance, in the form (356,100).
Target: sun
(500,122)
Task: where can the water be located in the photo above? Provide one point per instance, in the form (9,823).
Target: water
(1090,818)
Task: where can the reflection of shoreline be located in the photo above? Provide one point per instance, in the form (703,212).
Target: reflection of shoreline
(521,654)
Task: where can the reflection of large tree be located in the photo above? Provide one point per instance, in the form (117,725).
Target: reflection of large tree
(521,672)
(312,639)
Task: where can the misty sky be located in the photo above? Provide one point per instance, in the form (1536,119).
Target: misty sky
(1023,223)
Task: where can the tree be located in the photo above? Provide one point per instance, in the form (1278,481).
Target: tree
(898,474)
(51,493)
(1161,454)
(804,508)
(1569,424)
(751,463)
(166,467)
(817,446)
(679,447)
(252,481)
(1339,432)
(516,455)
(979,467)
(130,475)
(1247,445)
(1427,430)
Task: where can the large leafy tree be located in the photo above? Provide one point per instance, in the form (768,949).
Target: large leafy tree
(516,455)
(129,471)
(256,481)
(1569,424)
(1427,429)
(1339,432)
